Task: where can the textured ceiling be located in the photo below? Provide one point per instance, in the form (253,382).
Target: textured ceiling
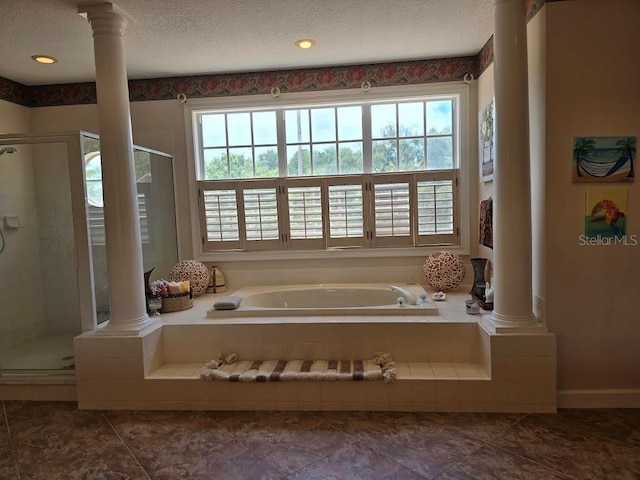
(188,37)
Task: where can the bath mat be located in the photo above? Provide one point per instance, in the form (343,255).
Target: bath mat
(231,369)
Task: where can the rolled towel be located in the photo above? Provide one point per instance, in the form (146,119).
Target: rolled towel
(216,362)
(228,303)
(231,358)
(174,288)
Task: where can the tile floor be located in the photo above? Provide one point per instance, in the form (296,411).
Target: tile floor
(54,440)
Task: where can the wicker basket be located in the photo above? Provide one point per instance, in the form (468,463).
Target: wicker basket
(175,303)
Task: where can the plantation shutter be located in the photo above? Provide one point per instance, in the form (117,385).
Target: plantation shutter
(304,206)
(346,211)
(375,210)
(436,208)
(219,217)
(144,194)
(392,212)
(259,218)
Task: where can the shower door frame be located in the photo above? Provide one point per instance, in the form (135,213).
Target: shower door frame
(83,258)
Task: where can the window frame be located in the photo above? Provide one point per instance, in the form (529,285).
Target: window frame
(462,152)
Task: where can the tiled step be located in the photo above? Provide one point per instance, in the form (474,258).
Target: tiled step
(404,370)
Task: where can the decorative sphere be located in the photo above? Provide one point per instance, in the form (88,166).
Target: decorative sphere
(443,271)
(196,272)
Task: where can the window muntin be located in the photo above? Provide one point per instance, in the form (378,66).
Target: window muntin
(239,145)
(400,142)
(325,143)
(401,136)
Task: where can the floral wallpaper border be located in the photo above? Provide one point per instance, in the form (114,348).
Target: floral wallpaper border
(14,92)
(485,55)
(329,78)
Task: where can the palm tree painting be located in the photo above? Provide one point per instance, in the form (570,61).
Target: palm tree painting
(604,159)
(628,150)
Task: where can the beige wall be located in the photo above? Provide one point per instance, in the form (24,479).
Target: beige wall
(593,89)
(485,189)
(583,81)
(13,118)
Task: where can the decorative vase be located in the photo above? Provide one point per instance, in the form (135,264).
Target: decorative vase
(147,285)
(154,304)
(479,282)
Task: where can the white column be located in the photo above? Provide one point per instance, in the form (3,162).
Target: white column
(124,246)
(511,181)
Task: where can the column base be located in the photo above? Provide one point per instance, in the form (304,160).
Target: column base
(140,326)
(499,323)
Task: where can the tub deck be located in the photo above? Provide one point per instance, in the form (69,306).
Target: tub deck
(445,362)
(452,310)
(423,346)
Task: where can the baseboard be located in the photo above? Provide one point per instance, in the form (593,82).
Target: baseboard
(42,392)
(602,398)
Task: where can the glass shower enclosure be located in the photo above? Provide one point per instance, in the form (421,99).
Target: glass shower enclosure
(53,275)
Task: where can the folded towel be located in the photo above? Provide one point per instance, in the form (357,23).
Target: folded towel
(228,303)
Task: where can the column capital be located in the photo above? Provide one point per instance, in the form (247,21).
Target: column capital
(105,18)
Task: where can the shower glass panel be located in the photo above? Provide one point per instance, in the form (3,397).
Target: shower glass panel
(40,309)
(53,275)
(156,210)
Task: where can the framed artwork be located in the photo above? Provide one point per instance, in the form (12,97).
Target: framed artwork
(487,145)
(606,213)
(603,159)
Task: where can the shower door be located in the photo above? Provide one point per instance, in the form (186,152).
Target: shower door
(156,214)
(53,275)
(45,280)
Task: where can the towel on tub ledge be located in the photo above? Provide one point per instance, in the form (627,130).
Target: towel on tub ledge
(232,369)
(228,303)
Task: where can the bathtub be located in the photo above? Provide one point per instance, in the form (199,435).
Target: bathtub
(326,299)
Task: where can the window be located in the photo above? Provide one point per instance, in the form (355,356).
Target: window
(95,207)
(332,174)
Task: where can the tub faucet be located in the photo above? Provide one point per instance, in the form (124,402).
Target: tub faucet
(407,294)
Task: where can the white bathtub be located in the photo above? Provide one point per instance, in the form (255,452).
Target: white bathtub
(325,299)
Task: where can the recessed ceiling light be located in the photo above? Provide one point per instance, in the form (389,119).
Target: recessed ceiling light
(305,43)
(44,59)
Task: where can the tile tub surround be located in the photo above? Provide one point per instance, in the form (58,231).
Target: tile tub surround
(445,363)
(572,444)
